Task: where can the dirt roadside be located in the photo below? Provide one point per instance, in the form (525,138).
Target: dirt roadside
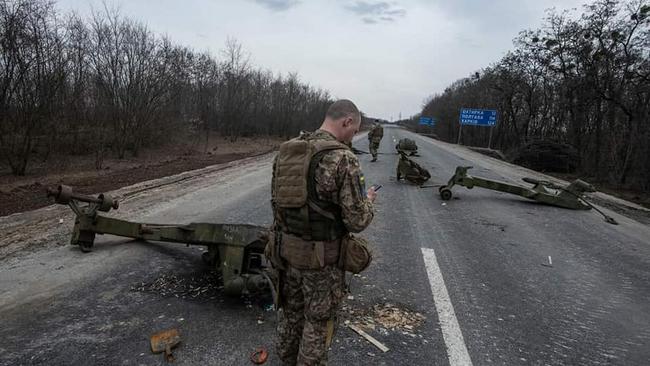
(48,227)
(19,194)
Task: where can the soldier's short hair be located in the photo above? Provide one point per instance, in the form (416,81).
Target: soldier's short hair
(342,108)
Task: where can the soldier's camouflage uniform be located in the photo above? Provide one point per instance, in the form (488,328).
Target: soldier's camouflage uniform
(311,298)
(410,170)
(407,146)
(374,138)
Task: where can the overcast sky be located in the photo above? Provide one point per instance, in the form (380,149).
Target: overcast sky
(387,56)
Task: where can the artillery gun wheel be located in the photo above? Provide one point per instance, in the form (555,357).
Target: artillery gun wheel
(211,258)
(445,194)
(85,247)
(206,258)
(107,202)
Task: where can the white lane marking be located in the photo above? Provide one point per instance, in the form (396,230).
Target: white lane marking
(456,349)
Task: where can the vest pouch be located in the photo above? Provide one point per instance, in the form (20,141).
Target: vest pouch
(292,166)
(301,254)
(355,254)
(272,250)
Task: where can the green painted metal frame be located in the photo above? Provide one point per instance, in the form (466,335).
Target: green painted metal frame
(237,250)
(546,192)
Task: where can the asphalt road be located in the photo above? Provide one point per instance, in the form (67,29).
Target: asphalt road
(473,272)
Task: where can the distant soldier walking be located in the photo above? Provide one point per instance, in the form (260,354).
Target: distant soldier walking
(319,198)
(374,138)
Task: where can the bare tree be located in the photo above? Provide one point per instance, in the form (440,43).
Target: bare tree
(582,82)
(109,84)
(33,73)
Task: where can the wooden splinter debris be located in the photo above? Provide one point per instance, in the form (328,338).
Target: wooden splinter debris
(368,337)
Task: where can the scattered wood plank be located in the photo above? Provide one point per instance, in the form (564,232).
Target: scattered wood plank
(368,337)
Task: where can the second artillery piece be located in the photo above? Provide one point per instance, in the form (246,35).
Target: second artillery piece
(236,250)
(546,192)
(571,196)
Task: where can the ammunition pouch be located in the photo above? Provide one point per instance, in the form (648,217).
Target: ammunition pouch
(355,254)
(302,254)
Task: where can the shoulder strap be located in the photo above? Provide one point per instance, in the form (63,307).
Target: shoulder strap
(312,195)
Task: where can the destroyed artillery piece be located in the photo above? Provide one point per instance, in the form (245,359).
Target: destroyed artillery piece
(571,196)
(236,250)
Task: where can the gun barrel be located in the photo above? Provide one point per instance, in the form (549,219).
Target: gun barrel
(63,195)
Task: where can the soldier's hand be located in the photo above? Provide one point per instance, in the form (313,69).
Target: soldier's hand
(371,194)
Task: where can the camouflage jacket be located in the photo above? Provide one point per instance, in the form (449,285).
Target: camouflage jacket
(376,134)
(339,180)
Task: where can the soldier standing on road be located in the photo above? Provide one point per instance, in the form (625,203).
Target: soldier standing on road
(319,197)
(374,138)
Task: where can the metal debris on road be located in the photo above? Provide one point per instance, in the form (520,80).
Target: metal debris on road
(368,337)
(205,285)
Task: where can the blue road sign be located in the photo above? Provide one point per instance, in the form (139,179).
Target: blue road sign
(427,121)
(478,117)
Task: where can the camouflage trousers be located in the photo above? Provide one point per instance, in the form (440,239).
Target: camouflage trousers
(310,301)
(373,146)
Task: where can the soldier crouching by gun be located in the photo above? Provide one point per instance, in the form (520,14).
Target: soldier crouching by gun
(319,199)
(410,170)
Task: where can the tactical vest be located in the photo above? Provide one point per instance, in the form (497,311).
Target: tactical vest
(376,133)
(297,208)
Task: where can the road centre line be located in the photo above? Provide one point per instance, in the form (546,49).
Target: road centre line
(456,349)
